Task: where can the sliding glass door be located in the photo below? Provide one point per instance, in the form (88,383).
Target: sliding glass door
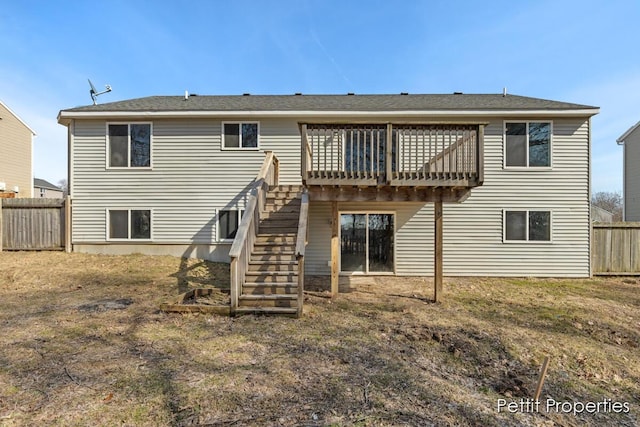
(367,242)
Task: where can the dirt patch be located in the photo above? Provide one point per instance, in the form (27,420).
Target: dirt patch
(104,305)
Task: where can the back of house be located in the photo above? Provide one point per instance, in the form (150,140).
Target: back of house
(173,175)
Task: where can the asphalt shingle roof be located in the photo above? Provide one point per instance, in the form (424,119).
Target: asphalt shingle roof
(450,102)
(41,183)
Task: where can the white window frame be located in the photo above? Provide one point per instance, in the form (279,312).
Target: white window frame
(129,238)
(225,240)
(527,167)
(527,241)
(240,147)
(108,147)
(395,241)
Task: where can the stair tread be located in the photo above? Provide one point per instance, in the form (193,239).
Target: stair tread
(271,284)
(269,297)
(277,261)
(273,310)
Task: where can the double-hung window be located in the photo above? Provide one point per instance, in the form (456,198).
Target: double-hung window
(240,135)
(129,224)
(527,225)
(527,144)
(129,145)
(228,223)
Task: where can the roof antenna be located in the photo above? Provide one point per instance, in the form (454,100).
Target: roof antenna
(94,93)
(504,91)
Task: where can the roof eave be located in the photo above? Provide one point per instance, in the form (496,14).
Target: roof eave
(19,119)
(64,117)
(624,136)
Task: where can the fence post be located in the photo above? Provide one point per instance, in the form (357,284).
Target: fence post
(67,224)
(1,225)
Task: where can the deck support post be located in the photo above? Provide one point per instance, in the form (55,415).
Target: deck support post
(335,248)
(437,241)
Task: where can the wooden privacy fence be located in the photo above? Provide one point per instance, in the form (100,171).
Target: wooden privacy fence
(34,224)
(615,248)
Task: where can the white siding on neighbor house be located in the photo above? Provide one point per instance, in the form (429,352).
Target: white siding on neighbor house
(473,230)
(632,176)
(192,178)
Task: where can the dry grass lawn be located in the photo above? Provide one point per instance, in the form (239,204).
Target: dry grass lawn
(83,343)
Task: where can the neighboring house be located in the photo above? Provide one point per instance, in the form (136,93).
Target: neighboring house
(45,189)
(630,142)
(16,153)
(173,175)
(600,215)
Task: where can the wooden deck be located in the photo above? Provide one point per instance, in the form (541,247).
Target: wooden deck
(392,155)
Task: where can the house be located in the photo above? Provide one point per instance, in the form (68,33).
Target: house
(600,215)
(630,141)
(283,186)
(45,189)
(16,152)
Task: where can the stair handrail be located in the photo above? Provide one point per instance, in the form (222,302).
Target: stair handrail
(249,227)
(301,242)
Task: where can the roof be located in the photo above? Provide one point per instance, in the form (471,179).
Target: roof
(301,105)
(41,183)
(17,117)
(625,135)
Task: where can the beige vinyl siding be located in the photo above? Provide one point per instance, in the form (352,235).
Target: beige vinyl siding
(632,176)
(191,180)
(15,153)
(473,242)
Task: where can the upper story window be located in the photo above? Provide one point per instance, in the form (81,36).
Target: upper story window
(527,144)
(129,145)
(240,135)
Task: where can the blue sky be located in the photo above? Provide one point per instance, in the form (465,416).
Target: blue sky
(577,51)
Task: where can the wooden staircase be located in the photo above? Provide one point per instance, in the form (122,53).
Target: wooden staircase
(271,280)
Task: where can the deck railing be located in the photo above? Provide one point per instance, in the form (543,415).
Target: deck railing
(248,230)
(389,154)
(301,242)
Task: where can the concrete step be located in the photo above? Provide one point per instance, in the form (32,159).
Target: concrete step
(264,288)
(271,277)
(286,311)
(268,266)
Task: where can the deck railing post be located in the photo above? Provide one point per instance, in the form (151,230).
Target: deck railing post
(389,154)
(480,154)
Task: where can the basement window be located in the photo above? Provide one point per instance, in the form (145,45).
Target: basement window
(129,145)
(532,226)
(240,135)
(129,224)
(228,223)
(527,144)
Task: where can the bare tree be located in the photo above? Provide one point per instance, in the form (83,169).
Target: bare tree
(63,185)
(609,201)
